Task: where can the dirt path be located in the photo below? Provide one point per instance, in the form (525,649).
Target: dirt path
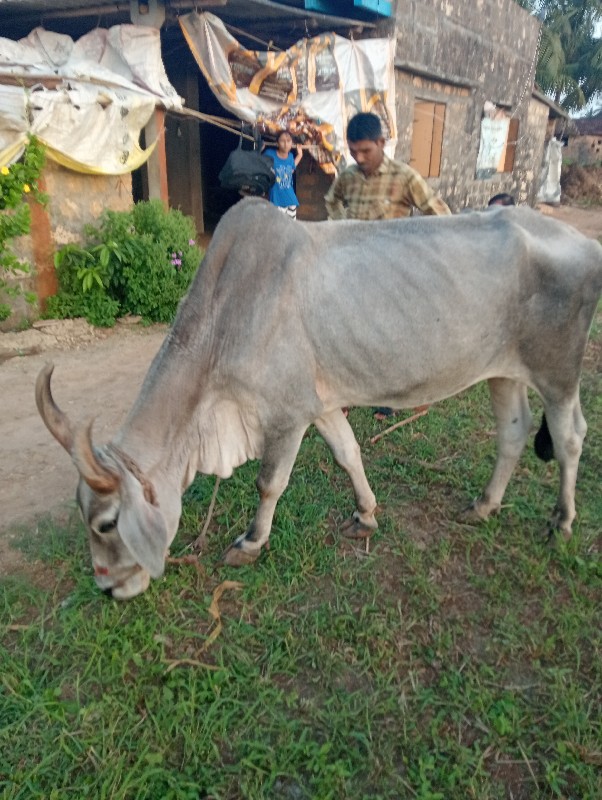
(586,220)
(96,372)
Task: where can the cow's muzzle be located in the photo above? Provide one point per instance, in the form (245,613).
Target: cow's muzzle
(124,585)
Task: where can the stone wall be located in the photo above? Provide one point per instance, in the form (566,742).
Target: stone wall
(463,53)
(490,42)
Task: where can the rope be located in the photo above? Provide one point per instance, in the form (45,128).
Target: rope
(199,542)
(131,466)
(220,122)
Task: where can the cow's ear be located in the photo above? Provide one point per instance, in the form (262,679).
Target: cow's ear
(141,527)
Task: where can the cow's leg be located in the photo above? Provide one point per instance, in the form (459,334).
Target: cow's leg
(513,421)
(567,428)
(277,462)
(339,437)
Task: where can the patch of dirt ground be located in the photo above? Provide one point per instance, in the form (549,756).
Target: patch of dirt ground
(97,372)
(587,220)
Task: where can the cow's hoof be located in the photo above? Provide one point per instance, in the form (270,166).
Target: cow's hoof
(558,530)
(476,512)
(470,515)
(354,528)
(554,536)
(235,556)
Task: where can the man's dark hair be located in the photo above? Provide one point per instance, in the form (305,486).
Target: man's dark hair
(364,126)
(502,199)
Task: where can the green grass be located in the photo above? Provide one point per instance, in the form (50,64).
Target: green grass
(450,662)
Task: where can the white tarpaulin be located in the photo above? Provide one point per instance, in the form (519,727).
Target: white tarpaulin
(85,100)
(549,179)
(311,89)
(494,134)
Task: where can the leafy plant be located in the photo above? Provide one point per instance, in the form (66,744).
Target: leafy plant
(17,181)
(135,262)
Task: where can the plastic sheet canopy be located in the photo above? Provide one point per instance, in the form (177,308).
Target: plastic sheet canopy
(86,100)
(312,89)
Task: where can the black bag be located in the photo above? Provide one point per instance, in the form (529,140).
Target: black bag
(247,171)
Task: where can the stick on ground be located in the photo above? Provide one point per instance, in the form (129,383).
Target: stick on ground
(422,410)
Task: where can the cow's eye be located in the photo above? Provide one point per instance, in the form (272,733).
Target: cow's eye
(106,527)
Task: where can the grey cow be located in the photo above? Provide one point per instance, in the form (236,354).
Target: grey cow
(287,322)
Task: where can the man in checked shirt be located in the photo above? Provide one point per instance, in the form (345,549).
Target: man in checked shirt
(377,187)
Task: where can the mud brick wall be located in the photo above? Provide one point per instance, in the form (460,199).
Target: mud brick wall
(584,150)
(78,200)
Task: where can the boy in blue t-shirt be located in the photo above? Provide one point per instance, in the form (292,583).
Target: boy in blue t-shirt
(282,193)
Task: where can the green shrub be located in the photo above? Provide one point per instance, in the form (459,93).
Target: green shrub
(16,182)
(135,262)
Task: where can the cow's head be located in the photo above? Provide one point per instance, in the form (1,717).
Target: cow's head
(127,531)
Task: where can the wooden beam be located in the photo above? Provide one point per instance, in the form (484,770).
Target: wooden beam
(43,248)
(157,164)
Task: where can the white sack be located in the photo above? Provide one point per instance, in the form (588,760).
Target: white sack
(549,191)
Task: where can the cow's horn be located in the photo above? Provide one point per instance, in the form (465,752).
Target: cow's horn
(98,477)
(54,419)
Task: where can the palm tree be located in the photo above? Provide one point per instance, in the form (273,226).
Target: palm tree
(569,66)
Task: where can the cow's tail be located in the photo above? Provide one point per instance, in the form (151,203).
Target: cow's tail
(544,447)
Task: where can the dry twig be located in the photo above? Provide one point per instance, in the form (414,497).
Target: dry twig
(421,411)
(214,612)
